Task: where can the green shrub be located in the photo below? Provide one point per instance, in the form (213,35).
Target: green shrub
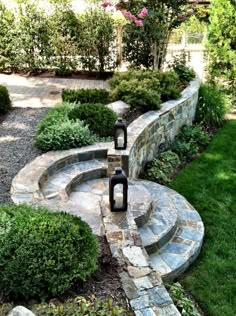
(139,93)
(43,253)
(189,141)
(182,301)
(5,102)
(99,118)
(56,115)
(212,106)
(86,96)
(180,67)
(145,88)
(79,306)
(163,168)
(64,135)
(170,85)
(97,41)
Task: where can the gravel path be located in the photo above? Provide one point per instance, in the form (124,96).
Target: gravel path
(16,145)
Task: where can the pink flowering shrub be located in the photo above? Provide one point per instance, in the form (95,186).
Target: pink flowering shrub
(127,14)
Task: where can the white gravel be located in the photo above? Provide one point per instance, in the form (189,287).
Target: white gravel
(16,145)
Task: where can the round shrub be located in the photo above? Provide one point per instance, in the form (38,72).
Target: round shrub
(144,94)
(99,118)
(42,253)
(64,135)
(5,102)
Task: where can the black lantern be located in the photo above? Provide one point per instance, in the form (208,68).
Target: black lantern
(120,134)
(118,191)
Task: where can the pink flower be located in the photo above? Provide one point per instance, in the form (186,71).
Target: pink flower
(143,13)
(117,7)
(138,23)
(132,18)
(126,14)
(105,4)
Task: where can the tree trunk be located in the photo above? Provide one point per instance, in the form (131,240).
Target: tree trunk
(119,45)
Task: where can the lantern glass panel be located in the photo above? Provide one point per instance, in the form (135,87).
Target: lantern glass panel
(120,136)
(118,196)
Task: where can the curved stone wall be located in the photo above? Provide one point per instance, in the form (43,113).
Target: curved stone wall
(150,133)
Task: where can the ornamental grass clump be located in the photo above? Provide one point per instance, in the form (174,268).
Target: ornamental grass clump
(42,254)
(212,106)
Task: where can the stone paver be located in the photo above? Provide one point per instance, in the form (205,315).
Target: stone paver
(43,92)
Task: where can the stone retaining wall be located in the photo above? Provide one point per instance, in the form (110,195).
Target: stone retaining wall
(152,131)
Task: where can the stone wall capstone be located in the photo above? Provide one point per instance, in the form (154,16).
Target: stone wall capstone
(152,131)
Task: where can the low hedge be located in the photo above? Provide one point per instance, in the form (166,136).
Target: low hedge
(5,102)
(86,96)
(42,254)
(99,118)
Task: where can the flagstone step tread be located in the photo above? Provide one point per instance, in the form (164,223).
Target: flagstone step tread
(160,228)
(62,182)
(175,257)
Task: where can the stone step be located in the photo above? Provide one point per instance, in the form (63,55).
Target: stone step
(160,228)
(60,184)
(175,257)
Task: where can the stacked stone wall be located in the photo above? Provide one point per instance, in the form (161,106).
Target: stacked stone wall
(153,131)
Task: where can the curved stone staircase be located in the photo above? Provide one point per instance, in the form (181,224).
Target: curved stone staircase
(161,233)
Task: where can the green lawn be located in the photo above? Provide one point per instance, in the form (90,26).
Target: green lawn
(209,184)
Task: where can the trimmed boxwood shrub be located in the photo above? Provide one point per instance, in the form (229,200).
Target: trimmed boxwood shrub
(5,102)
(42,253)
(99,118)
(86,96)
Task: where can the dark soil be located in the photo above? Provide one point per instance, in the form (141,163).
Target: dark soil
(105,282)
(132,115)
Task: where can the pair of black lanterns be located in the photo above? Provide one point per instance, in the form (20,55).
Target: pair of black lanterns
(118,184)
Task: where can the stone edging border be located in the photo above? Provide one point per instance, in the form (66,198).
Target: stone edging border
(26,186)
